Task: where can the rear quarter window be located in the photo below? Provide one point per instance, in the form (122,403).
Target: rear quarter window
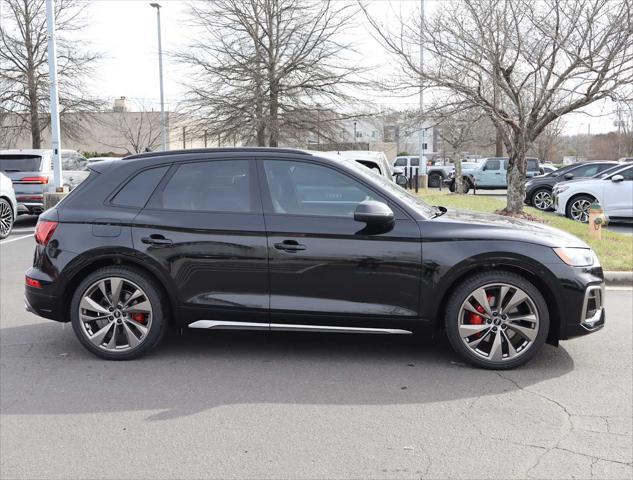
(137,191)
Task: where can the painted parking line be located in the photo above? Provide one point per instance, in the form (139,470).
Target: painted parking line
(622,288)
(23,230)
(15,239)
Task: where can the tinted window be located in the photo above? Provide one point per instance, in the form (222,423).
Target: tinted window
(213,186)
(415,161)
(603,166)
(305,189)
(137,191)
(20,163)
(493,165)
(401,162)
(627,174)
(532,165)
(585,171)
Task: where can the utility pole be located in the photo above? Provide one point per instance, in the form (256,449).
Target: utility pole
(56,143)
(160,74)
(421,131)
(354,131)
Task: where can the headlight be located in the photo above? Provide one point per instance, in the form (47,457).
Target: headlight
(560,188)
(577,257)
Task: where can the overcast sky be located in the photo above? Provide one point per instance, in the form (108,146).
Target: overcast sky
(125,32)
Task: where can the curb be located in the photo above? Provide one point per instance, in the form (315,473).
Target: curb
(618,278)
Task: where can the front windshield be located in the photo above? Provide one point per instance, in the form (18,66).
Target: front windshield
(400,193)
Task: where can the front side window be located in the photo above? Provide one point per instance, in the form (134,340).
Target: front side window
(532,165)
(586,171)
(400,162)
(300,188)
(415,161)
(212,186)
(493,165)
(627,174)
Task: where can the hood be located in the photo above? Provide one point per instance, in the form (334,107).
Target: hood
(466,224)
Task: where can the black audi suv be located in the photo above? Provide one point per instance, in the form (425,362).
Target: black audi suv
(538,190)
(283,240)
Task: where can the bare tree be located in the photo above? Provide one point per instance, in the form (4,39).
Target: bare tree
(547,145)
(24,73)
(260,69)
(544,59)
(134,132)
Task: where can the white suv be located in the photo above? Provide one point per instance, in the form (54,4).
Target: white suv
(613,191)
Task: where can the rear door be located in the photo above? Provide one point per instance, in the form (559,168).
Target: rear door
(204,225)
(326,269)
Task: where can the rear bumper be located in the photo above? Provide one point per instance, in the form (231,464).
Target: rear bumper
(43,301)
(29,207)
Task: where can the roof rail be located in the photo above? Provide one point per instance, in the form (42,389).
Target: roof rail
(216,150)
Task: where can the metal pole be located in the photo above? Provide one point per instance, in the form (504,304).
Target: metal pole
(205,139)
(184,137)
(160,74)
(421,132)
(354,131)
(56,143)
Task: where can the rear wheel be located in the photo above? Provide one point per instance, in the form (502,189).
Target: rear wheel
(435,179)
(497,320)
(465,186)
(578,208)
(542,199)
(117,313)
(6,218)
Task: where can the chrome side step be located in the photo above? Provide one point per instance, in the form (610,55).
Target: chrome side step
(281,327)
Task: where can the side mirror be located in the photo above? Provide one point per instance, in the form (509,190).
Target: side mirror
(617,178)
(568,176)
(401,180)
(374,213)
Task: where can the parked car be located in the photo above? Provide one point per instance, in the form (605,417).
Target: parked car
(91,160)
(374,161)
(8,206)
(491,173)
(31,172)
(437,173)
(538,190)
(283,240)
(613,191)
(626,159)
(545,169)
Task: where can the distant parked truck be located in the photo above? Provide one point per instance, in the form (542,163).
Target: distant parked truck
(31,172)
(491,173)
(437,173)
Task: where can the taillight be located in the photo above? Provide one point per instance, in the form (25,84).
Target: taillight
(31,282)
(38,180)
(44,231)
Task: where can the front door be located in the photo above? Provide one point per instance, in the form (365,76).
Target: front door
(492,174)
(618,196)
(205,227)
(325,267)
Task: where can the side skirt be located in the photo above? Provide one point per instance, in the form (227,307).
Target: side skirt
(281,327)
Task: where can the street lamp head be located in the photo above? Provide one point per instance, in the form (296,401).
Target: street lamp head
(154,5)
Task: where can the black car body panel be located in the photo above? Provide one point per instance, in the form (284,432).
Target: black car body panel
(253,264)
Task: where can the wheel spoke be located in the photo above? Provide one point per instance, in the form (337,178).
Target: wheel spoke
(99,335)
(88,318)
(88,303)
(529,333)
(115,287)
(132,339)
(136,295)
(511,350)
(482,299)
(142,328)
(468,330)
(112,342)
(517,299)
(104,292)
(496,350)
(468,306)
(143,306)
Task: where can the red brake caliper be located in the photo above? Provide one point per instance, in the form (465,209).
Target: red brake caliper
(474,319)
(138,317)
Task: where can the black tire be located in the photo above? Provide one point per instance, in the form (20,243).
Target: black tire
(435,179)
(537,202)
(466,184)
(569,209)
(6,218)
(159,321)
(461,294)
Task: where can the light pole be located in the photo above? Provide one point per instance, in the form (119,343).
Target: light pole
(422,129)
(354,131)
(52,72)
(160,73)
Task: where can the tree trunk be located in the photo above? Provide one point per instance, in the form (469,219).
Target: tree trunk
(273,121)
(459,181)
(36,133)
(517,167)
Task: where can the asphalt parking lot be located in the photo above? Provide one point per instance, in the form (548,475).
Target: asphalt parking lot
(257,405)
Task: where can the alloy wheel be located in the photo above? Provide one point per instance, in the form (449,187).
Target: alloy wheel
(6,218)
(579,210)
(543,200)
(115,314)
(498,322)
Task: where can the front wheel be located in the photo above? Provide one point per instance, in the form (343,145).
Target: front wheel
(497,320)
(435,179)
(542,199)
(578,208)
(117,313)
(6,218)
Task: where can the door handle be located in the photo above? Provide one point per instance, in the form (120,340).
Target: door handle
(290,246)
(157,239)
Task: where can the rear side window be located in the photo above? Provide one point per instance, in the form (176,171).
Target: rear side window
(137,191)
(20,163)
(415,161)
(212,186)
